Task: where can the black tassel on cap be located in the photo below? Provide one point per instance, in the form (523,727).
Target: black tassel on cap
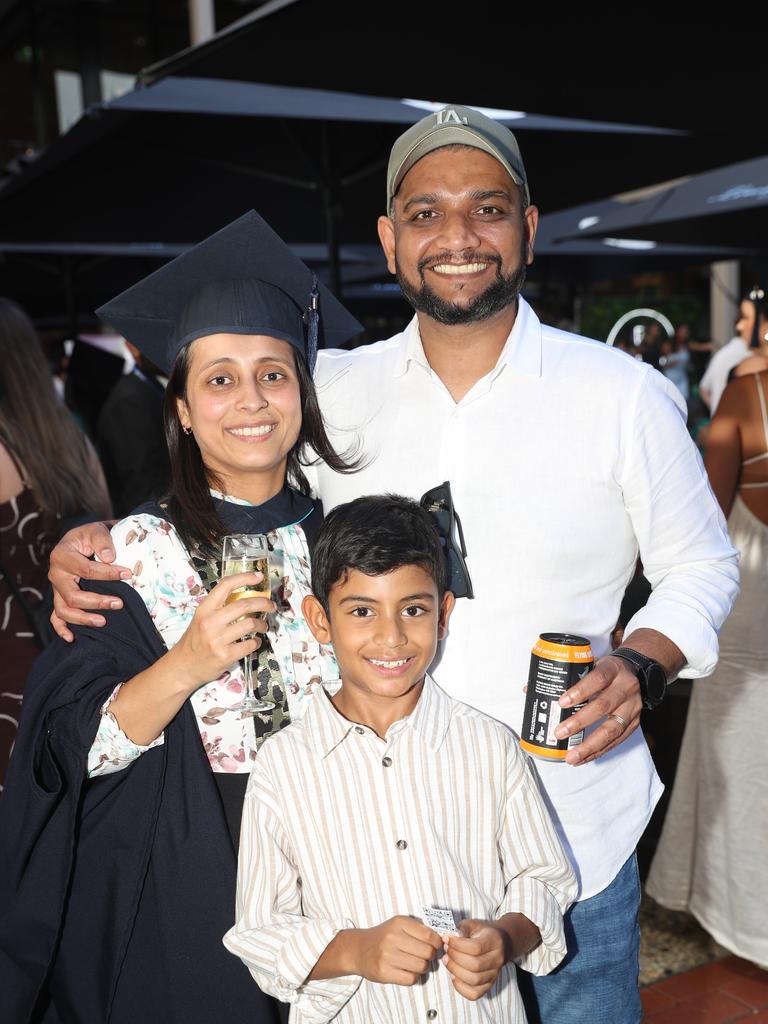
(313,325)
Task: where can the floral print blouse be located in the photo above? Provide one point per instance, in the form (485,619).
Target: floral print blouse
(172,584)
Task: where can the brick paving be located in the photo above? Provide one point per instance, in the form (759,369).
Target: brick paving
(727,990)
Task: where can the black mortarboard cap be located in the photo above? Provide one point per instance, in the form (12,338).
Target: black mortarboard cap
(242,280)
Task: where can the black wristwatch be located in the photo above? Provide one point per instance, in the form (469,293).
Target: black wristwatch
(650,675)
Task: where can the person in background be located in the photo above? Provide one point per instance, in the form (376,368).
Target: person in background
(676,359)
(130,439)
(94,367)
(750,340)
(755,326)
(50,479)
(652,345)
(711,855)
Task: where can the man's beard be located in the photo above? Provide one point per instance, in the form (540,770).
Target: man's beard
(500,294)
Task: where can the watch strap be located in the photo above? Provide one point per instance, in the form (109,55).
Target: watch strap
(640,661)
(644,666)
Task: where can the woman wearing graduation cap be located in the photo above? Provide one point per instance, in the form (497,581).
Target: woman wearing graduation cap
(120,818)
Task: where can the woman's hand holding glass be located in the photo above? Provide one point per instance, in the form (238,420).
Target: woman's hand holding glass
(212,643)
(216,637)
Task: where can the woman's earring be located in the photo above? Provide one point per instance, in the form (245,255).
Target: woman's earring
(187,430)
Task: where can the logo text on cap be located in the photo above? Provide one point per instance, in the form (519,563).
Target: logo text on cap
(446,116)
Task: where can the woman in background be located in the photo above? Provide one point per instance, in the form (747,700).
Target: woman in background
(50,478)
(711,857)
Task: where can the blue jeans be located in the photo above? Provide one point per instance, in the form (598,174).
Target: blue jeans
(597,981)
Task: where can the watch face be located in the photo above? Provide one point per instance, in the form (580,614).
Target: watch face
(656,679)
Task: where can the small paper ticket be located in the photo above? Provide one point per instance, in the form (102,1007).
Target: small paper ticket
(441,921)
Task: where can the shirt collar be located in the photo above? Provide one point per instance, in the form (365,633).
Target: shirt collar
(432,715)
(327,729)
(411,350)
(522,350)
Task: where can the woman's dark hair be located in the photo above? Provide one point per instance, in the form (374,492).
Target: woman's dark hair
(757,298)
(376,534)
(191,505)
(60,466)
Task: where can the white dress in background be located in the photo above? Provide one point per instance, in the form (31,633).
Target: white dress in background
(713,851)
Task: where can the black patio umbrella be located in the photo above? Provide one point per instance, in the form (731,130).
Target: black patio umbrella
(58,282)
(169,164)
(564,254)
(726,207)
(564,68)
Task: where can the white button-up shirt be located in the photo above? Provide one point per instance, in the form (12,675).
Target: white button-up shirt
(342,829)
(565,461)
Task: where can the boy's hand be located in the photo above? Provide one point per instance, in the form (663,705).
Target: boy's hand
(397,952)
(475,957)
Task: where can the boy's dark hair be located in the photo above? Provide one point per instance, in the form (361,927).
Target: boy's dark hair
(376,534)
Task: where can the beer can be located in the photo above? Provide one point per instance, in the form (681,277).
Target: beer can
(558,660)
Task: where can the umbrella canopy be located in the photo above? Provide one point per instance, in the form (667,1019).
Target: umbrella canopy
(727,207)
(172,162)
(646,77)
(58,281)
(567,233)
(579,260)
(164,166)
(550,67)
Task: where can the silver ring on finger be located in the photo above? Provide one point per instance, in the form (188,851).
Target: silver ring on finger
(620,720)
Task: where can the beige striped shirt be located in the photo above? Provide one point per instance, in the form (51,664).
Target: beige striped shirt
(343,829)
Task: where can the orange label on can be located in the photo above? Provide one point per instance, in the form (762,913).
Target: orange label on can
(562,652)
(554,754)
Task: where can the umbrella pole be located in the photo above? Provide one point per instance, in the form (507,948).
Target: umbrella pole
(69,295)
(329,211)
(332,242)
(38,100)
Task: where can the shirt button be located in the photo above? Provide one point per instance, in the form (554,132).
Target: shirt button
(401,844)
(387,762)
(359,731)
(431,1014)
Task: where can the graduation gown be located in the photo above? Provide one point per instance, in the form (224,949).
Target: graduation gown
(115,892)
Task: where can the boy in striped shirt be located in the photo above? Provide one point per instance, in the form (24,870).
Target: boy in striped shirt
(396,858)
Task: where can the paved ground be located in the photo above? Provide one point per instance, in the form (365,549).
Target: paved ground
(687,978)
(725,990)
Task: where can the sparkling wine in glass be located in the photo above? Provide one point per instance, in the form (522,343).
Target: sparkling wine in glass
(247,552)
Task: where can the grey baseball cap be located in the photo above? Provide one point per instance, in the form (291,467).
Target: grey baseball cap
(450,126)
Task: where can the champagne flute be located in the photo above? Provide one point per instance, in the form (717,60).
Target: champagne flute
(247,552)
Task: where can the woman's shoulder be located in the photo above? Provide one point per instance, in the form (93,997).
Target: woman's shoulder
(750,366)
(11,480)
(143,526)
(146,538)
(740,397)
(162,572)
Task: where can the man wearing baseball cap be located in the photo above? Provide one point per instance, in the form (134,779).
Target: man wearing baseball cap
(566,460)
